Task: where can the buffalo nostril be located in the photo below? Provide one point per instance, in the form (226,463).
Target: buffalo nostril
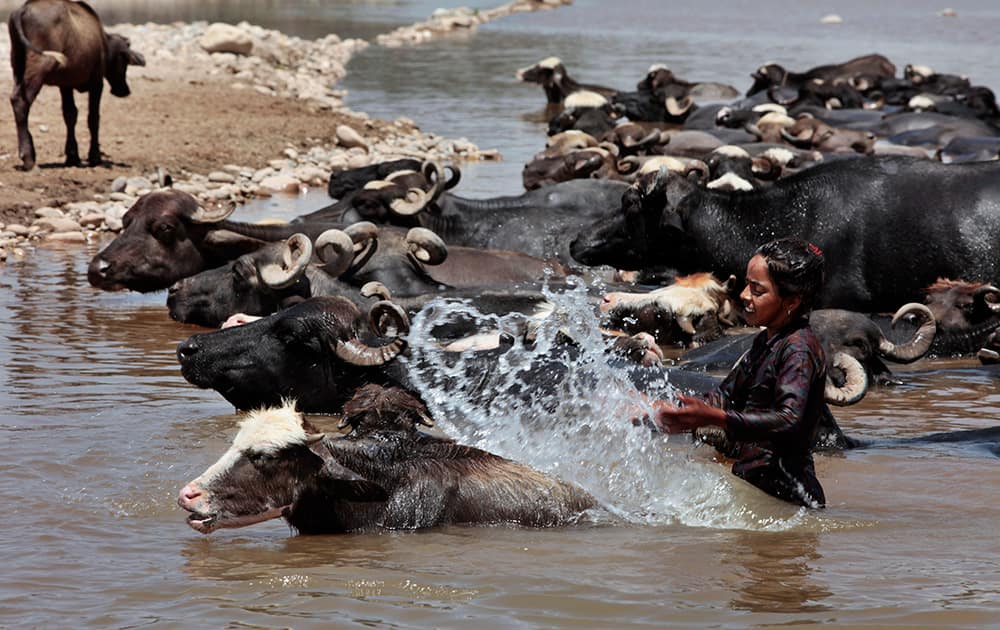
(188,494)
(187,349)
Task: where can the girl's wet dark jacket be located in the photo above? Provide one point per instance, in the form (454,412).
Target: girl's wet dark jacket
(774,402)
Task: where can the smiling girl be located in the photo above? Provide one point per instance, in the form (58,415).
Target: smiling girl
(771,403)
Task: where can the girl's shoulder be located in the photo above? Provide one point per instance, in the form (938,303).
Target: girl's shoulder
(803,339)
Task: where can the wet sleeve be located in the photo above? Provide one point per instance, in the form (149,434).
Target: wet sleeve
(788,407)
(722,392)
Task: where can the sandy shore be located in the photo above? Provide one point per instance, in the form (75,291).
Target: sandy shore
(224,126)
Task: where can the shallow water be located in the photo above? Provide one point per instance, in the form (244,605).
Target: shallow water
(100,430)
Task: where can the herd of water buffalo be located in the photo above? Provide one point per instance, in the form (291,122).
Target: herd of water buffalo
(675,183)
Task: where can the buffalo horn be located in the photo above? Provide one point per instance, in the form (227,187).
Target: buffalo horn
(219,213)
(376,289)
(385,316)
(426,246)
(336,249)
(921,341)
(411,203)
(355,352)
(678,108)
(855,381)
(802,140)
(295,255)
(982,295)
(684,322)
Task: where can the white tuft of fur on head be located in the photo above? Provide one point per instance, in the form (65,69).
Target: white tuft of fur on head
(657,66)
(654,164)
(731,150)
(270,429)
(585,98)
(922,71)
(549,62)
(779,155)
(730,181)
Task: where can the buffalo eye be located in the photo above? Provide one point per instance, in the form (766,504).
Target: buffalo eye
(294,333)
(166,233)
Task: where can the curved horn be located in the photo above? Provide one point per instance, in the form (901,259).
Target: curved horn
(855,381)
(355,352)
(697,166)
(678,108)
(365,237)
(376,289)
(361,233)
(921,341)
(336,249)
(432,173)
(426,246)
(295,256)
(382,317)
(765,169)
(980,297)
(797,140)
(587,167)
(411,203)
(628,164)
(219,213)
(454,176)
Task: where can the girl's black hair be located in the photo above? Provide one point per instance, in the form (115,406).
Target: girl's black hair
(796,268)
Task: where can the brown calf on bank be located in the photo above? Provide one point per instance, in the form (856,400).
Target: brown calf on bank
(62,43)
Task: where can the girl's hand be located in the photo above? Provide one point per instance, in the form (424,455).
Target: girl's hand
(688,415)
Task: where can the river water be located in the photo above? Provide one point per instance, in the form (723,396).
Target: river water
(99,430)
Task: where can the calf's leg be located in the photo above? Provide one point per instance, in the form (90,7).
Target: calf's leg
(69,112)
(21,98)
(94,122)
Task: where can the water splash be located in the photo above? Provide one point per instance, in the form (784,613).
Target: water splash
(566,412)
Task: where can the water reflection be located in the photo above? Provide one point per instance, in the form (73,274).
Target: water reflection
(774,572)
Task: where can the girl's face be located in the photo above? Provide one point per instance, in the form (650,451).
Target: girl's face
(764,307)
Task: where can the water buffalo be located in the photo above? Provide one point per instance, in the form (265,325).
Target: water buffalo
(62,43)
(854,343)
(966,314)
(315,352)
(348,180)
(551,74)
(385,474)
(690,312)
(168,236)
(411,263)
(856,210)
(868,68)
(539,222)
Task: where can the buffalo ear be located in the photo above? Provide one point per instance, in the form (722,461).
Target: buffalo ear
(134,59)
(342,482)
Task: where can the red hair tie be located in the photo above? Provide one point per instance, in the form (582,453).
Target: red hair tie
(815,250)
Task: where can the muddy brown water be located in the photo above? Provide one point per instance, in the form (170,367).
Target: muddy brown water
(99,430)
